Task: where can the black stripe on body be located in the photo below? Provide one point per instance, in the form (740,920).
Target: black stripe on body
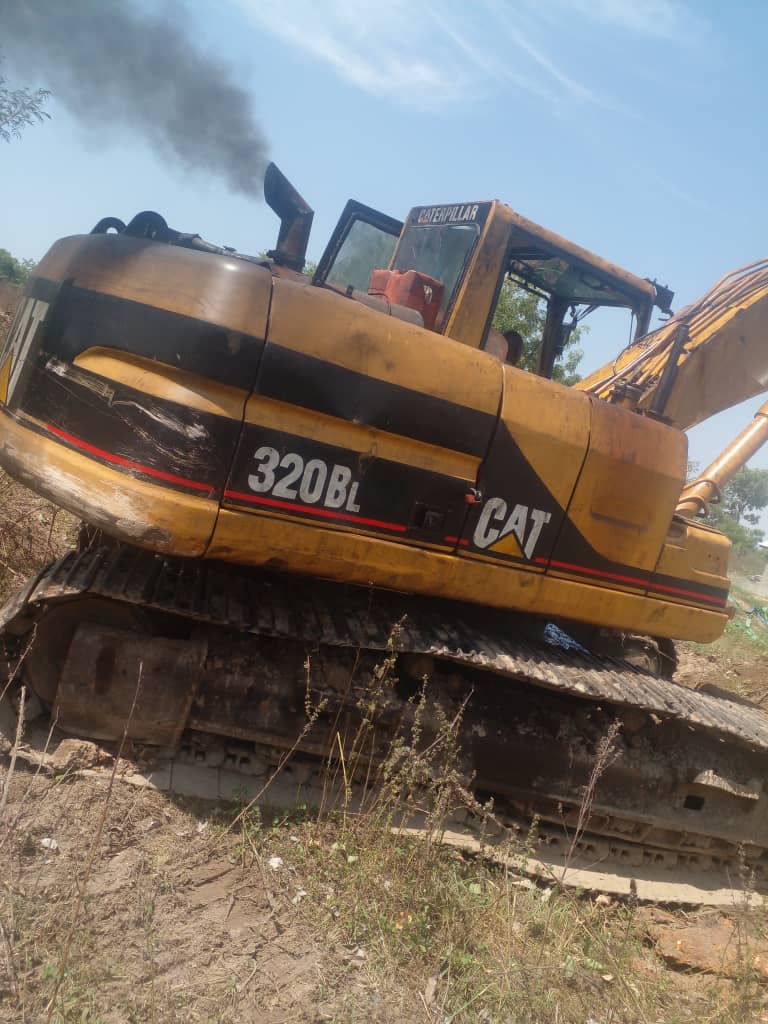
(42,288)
(508,473)
(164,436)
(83,319)
(662,582)
(415,503)
(298,379)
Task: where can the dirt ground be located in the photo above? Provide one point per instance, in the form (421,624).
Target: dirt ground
(123,904)
(148,909)
(173,923)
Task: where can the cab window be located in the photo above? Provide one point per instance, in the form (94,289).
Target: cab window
(364,248)
(362,241)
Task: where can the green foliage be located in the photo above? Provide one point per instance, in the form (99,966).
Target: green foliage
(749,626)
(20,108)
(520,311)
(743,538)
(746,495)
(13,270)
(738,513)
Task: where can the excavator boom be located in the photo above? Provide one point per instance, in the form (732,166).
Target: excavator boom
(723,362)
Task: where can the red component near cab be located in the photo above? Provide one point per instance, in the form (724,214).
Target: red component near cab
(409,288)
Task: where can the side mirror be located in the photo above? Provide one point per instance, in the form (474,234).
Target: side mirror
(564,336)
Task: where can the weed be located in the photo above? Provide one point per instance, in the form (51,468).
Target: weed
(32,533)
(404,929)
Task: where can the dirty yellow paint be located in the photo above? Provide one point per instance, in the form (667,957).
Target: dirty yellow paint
(5,376)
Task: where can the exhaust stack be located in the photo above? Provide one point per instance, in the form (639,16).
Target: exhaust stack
(295,219)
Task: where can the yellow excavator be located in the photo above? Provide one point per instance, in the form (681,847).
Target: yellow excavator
(270,464)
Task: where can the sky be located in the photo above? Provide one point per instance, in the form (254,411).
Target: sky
(636,128)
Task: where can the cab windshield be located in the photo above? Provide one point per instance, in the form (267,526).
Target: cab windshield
(441,251)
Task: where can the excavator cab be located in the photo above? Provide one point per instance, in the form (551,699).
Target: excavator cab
(448,264)
(363,240)
(574,283)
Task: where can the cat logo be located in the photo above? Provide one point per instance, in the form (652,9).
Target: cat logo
(512,532)
(13,357)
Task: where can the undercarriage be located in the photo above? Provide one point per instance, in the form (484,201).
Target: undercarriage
(228,673)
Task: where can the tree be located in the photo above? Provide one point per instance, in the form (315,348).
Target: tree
(520,310)
(743,538)
(746,495)
(738,513)
(20,108)
(13,270)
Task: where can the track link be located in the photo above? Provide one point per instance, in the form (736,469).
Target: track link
(330,614)
(227,657)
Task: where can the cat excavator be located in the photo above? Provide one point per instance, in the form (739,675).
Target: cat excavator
(277,470)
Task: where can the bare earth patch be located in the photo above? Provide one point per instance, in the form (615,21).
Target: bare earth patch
(184,918)
(174,925)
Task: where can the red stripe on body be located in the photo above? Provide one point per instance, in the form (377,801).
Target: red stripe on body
(118,460)
(325,513)
(596,572)
(689,593)
(633,581)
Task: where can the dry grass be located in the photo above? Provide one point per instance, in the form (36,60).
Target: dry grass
(288,920)
(180,911)
(32,531)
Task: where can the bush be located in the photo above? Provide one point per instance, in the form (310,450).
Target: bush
(13,270)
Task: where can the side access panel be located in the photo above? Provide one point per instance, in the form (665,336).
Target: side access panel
(359,425)
(530,473)
(624,501)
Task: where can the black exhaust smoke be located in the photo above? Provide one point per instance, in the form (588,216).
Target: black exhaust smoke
(107,61)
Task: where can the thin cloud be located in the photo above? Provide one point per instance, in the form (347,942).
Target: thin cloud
(437,53)
(484,62)
(674,190)
(517,29)
(662,18)
(371,46)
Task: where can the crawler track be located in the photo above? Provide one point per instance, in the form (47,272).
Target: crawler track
(222,658)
